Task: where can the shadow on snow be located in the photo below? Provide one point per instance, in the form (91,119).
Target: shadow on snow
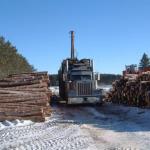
(109,116)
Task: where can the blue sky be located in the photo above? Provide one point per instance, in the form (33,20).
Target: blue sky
(113,33)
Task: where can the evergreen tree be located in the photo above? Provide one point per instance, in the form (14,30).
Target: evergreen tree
(11,61)
(144,62)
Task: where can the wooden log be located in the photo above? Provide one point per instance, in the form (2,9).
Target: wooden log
(22,78)
(20,113)
(29,90)
(13,84)
(32,86)
(23,99)
(30,73)
(26,94)
(33,102)
(23,93)
(16,106)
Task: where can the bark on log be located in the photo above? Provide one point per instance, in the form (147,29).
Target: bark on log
(25,96)
(131,92)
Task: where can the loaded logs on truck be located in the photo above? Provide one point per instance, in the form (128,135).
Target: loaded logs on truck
(132,90)
(25,96)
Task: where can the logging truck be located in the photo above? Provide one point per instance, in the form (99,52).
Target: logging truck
(77,81)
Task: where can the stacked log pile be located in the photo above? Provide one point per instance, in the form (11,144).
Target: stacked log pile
(132,90)
(25,96)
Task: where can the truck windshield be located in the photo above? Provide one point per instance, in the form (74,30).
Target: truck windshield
(81,77)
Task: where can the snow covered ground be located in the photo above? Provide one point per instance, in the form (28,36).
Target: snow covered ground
(105,87)
(55,90)
(15,123)
(110,127)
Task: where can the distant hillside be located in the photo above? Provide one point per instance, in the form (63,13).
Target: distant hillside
(11,61)
(108,78)
(105,79)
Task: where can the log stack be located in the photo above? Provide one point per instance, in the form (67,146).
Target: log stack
(132,90)
(25,96)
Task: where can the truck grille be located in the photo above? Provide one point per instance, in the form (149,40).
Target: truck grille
(84,89)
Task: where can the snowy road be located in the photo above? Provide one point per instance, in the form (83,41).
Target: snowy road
(109,127)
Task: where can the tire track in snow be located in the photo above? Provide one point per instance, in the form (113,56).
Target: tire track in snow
(52,135)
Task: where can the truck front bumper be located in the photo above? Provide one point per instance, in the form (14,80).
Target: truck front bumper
(84,100)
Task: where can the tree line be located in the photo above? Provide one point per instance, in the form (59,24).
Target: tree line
(144,62)
(12,62)
(108,78)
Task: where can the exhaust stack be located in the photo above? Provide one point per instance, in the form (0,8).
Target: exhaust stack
(72,45)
